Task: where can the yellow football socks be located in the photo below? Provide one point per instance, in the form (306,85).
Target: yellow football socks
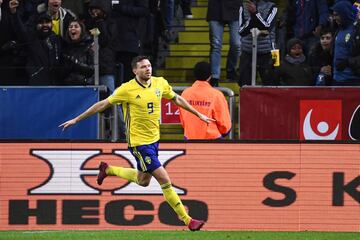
(129,174)
(174,201)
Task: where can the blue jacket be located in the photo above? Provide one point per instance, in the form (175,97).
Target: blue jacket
(343,40)
(305,15)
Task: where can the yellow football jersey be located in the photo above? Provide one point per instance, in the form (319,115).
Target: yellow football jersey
(142,108)
(56,26)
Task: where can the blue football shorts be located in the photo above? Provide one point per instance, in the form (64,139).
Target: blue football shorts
(146,157)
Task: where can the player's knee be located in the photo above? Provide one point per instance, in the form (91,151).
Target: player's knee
(144,183)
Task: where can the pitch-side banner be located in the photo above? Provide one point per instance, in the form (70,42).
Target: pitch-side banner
(233,186)
(36,112)
(300,113)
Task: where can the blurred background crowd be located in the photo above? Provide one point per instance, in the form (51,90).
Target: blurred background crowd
(49,42)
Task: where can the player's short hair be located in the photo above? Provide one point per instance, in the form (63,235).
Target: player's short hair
(137,59)
(202,71)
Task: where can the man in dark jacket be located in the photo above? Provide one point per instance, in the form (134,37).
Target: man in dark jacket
(305,18)
(127,14)
(344,17)
(221,13)
(261,15)
(100,17)
(12,59)
(43,47)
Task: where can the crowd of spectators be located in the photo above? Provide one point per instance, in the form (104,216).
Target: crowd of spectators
(47,42)
(318,41)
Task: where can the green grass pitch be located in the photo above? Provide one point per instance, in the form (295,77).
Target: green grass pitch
(175,235)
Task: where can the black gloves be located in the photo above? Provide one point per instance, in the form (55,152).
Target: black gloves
(341,64)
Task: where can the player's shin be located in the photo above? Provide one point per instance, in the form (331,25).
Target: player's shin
(174,201)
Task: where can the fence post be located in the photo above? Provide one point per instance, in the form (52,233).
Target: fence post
(95,32)
(255,33)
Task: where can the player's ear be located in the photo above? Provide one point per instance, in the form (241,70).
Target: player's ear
(134,71)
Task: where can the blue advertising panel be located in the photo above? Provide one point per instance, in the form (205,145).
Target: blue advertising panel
(36,112)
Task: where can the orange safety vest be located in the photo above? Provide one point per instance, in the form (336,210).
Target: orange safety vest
(210,102)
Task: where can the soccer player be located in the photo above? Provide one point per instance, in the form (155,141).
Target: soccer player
(141,102)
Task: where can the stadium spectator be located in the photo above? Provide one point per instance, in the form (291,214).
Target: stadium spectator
(12,56)
(75,6)
(127,45)
(141,98)
(354,60)
(305,18)
(186,9)
(27,11)
(167,8)
(155,29)
(344,16)
(100,17)
(220,14)
(321,57)
(208,101)
(294,70)
(43,47)
(78,55)
(262,16)
(60,16)
(100,11)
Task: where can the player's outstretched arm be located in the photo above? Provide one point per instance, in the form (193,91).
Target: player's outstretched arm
(181,102)
(95,108)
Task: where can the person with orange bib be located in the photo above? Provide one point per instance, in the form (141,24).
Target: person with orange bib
(209,101)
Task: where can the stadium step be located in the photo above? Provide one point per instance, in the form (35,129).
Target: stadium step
(198,37)
(194,47)
(177,75)
(188,61)
(191,46)
(199,12)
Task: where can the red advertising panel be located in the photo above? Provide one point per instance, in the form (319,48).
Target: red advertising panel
(170,113)
(233,186)
(300,113)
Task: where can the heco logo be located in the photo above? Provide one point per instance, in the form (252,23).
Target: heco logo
(68,177)
(320,119)
(67,172)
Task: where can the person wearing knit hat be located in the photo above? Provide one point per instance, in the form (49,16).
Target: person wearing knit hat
(207,100)
(292,42)
(294,70)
